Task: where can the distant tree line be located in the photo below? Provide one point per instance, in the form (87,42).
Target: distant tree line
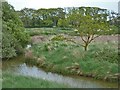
(54,17)
(41,17)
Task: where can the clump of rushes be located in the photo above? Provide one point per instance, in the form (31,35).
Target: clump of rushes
(100,61)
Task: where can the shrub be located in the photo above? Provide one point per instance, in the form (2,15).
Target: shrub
(14,37)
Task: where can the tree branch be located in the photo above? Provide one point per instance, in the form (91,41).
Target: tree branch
(82,38)
(96,36)
(92,38)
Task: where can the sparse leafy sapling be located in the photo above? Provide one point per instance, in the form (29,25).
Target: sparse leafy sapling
(89,24)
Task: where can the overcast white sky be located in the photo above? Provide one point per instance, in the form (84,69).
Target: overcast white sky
(36,4)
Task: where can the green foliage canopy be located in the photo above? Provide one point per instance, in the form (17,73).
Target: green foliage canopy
(90,22)
(14,38)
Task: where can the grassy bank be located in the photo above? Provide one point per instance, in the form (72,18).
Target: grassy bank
(19,81)
(100,61)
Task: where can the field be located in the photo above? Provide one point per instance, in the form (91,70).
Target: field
(49,31)
(55,31)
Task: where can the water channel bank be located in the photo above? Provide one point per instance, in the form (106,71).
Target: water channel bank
(18,66)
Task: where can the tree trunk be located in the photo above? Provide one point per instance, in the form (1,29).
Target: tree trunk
(86,46)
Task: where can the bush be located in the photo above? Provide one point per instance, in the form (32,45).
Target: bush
(14,37)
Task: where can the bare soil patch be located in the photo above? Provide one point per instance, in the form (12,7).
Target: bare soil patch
(103,38)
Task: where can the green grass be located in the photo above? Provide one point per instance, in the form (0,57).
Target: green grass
(19,81)
(100,59)
(48,31)
(57,30)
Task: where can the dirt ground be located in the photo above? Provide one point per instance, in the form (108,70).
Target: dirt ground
(103,38)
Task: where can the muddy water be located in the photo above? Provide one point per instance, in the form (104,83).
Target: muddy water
(18,66)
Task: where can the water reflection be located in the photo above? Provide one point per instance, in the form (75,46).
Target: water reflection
(23,69)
